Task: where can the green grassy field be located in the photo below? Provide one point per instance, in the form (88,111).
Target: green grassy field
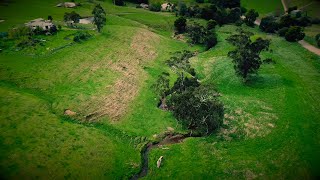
(264,7)
(271,125)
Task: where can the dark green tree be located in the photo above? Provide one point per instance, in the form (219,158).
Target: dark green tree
(72,16)
(180,25)
(99,17)
(294,34)
(211,24)
(268,24)
(234,15)
(211,40)
(50,18)
(162,86)
(182,9)
(196,33)
(198,109)
(246,57)
(250,17)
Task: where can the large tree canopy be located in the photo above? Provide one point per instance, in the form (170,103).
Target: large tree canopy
(246,56)
(99,17)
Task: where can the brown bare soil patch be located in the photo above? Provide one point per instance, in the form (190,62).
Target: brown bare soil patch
(127,87)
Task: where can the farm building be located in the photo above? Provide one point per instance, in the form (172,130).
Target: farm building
(67,4)
(88,20)
(43,24)
(144,6)
(167,7)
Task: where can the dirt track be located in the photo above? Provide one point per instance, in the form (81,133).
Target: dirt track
(303,43)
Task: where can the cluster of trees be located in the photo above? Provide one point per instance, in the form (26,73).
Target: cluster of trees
(219,13)
(197,33)
(194,105)
(246,57)
(289,25)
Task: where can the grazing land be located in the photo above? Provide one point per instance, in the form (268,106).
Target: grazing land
(270,128)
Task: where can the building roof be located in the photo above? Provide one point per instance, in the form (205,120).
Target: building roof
(39,22)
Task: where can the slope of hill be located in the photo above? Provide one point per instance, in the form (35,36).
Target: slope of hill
(271,125)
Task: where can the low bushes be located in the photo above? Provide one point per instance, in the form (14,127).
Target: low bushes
(81,36)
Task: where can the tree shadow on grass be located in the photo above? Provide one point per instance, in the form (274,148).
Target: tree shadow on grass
(268,81)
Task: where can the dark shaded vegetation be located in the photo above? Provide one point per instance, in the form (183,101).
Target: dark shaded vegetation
(99,17)
(317,38)
(246,57)
(194,105)
(155,7)
(294,34)
(72,16)
(81,36)
(180,25)
(251,17)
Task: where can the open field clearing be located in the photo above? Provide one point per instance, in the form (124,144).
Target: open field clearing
(87,110)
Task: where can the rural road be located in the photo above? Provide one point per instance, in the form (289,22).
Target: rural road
(303,43)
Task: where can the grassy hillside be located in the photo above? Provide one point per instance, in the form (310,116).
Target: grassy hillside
(265,135)
(270,128)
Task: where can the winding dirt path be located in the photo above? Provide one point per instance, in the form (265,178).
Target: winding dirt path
(310,47)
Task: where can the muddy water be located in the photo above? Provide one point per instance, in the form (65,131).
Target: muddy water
(169,139)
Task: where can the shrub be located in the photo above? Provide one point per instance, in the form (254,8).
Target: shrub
(282,32)
(315,20)
(211,40)
(26,41)
(287,21)
(196,33)
(53,29)
(73,16)
(243,10)
(268,24)
(182,9)
(294,33)
(18,32)
(211,24)
(251,17)
(234,15)
(155,7)
(3,35)
(200,1)
(81,36)
(38,31)
(318,39)
(119,2)
(303,21)
(180,25)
